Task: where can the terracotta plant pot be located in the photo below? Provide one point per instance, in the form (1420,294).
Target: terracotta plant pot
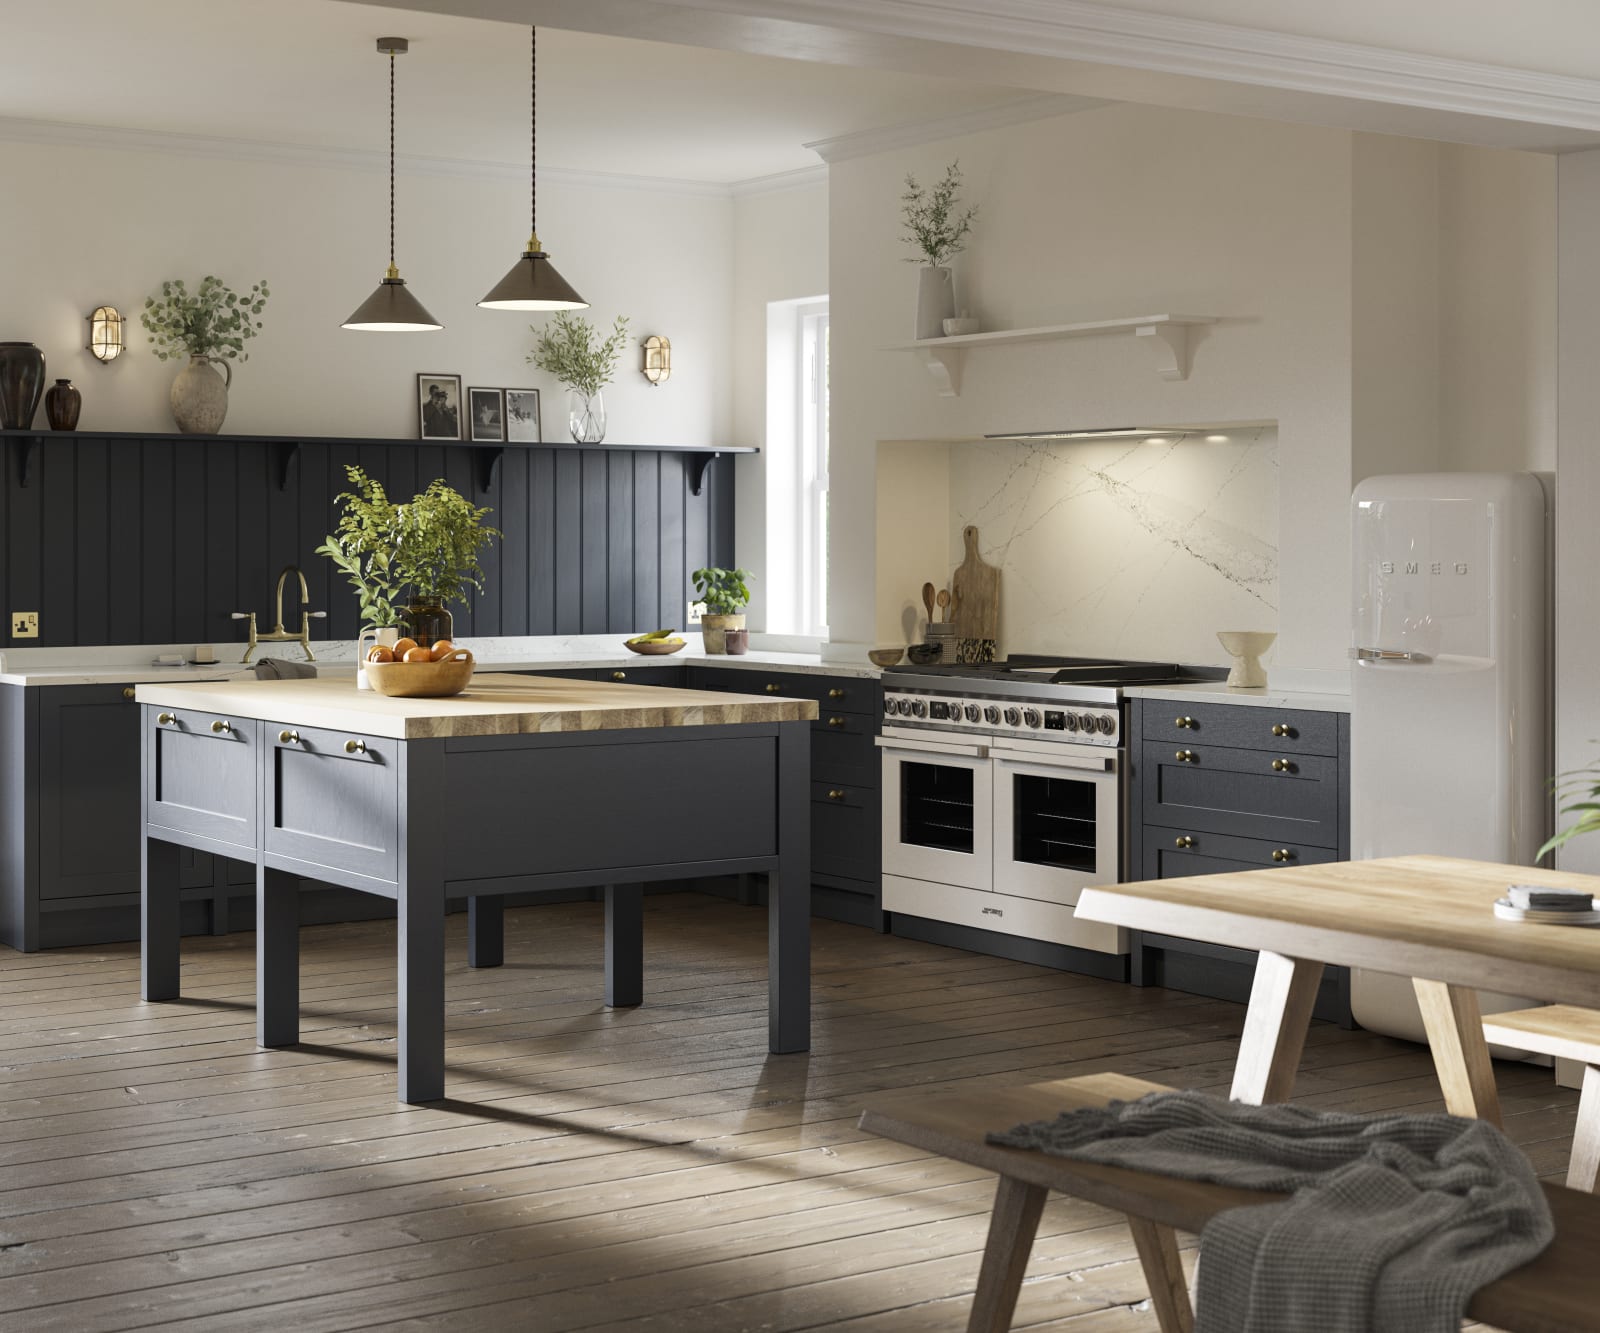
(713,630)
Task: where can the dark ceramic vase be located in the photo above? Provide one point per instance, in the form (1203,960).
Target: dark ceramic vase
(62,403)
(427,622)
(21,384)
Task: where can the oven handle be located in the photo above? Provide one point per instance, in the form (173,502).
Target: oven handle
(1098,763)
(920,746)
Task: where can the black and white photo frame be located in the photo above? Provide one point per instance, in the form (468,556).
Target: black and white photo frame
(522,416)
(439,415)
(486,413)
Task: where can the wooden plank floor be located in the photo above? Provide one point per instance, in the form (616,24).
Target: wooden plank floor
(648,1169)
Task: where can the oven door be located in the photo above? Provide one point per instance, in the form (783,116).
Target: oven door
(1057,820)
(937,804)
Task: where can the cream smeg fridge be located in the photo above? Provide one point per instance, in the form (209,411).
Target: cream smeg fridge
(1450,728)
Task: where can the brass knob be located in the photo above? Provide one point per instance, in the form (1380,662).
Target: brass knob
(1282,729)
(1187,723)
(774,689)
(288,738)
(1186,756)
(1283,854)
(619,675)
(1282,766)
(221,727)
(355,747)
(836,721)
(167,719)
(836,793)
(836,693)
(127,691)
(1184,841)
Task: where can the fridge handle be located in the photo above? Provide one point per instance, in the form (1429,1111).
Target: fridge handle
(1389,655)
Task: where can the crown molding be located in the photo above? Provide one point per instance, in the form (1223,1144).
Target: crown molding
(1082,31)
(782,182)
(864,143)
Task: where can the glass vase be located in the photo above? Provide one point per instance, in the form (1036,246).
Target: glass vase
(586,416)
(428,621)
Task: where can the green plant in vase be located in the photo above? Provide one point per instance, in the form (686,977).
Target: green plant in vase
(210,326)
(725,594)
(570,348)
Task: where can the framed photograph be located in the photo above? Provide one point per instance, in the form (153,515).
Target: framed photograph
(522,416)
(487,409)
(438,407)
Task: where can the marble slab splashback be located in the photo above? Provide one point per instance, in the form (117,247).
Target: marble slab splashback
(1133,549)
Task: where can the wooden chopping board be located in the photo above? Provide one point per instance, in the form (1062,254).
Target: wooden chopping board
(975,593)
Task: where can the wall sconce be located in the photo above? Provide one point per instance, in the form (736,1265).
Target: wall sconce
(105,333)
(657,359)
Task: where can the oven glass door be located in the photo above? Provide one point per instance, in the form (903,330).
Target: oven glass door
(1056,824)
(937,803)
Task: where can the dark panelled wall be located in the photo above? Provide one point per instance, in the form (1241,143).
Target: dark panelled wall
(158,540)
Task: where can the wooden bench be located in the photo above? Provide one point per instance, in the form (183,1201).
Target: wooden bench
(1570,1034)
(1559,1292)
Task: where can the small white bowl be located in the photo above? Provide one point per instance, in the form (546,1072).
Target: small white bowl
(956,326)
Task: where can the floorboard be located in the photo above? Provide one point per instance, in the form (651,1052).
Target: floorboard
(647,1169)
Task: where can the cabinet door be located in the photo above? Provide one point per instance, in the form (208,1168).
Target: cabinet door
(88,792)
(844,830)
(201,776)
(333,799)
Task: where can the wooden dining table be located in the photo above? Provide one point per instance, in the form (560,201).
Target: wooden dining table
(1430,918)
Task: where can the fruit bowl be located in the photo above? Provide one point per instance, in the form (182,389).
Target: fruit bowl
(422,680)
(654,647)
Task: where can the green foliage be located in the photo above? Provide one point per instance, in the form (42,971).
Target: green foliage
(568,350)
(426,550)
(1583,783)
(934,225)
(214,321)
(722,590)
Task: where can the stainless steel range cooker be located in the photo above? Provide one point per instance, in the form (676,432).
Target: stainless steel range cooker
(1003,791)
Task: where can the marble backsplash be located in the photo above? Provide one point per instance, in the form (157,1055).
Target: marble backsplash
(1107,547)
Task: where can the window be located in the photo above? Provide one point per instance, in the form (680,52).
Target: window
(812,471)
(797,468)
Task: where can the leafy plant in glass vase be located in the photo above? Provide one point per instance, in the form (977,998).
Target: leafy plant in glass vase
(210,326)
(936,227)
(725,594)
(570,348)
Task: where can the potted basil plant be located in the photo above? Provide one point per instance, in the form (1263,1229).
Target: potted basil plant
(725,595)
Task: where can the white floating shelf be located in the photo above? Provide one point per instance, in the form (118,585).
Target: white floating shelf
(1166,335)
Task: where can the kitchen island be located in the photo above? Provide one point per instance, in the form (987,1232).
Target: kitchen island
(519,783)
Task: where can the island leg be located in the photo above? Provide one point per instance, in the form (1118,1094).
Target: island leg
(277,957)
(160,932)
(420,924)
(486,931)
(789,898)
(624,945)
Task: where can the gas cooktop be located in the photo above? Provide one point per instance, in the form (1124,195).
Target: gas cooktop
(1087,671)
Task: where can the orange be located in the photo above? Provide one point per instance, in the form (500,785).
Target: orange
(380,653)
(402,647)
(416,655)
(442,648)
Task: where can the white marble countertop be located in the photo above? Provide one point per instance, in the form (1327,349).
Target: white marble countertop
(1215,692)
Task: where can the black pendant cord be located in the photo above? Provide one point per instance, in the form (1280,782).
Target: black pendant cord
(533,134)
(391,164)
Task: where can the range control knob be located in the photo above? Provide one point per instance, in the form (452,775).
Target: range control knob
(1086,722)
(919,708)
(973,712)
(1013,717)
(891,705)
(1105,724)
(1030,717)
(955,710)
(991,715)
(1071,720)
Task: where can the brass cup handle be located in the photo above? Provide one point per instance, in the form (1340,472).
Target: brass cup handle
(288,738)
(836,793)
(1187,723)
(355,747)
(1283,854)
(619,675)
(836,693)
(1282,729)
(166,719)
(774,689)
(127,691)
(1186,756)
(1184,841)
(1282,766)
(838,722)
(221,727)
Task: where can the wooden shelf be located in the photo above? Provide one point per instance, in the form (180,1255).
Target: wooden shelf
(286,449)
(1166,335)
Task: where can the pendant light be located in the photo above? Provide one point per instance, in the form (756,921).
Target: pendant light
(533,283)
(392,308)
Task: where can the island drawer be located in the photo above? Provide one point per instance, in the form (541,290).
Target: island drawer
(1172,853)
(333,799)
(1245,726)
(1246,793)
(836,694)
(201,774)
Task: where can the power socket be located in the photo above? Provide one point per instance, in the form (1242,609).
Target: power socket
(696,610)
(24,624)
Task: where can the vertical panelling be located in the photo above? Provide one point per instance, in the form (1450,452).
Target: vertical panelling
(54,470)
(719,485)
(197,619)
(256,565)
(89,509)
(23,551)
(696,520)
(619,540)
(148,495)
(568,568)
(647,604)
(596,538)
(223,593)
(511,517)
(674,580)
(542,586)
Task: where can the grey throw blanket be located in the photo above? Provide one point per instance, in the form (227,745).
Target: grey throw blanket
(280,668)
(1395,1220)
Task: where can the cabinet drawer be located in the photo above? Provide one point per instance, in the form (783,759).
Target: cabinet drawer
(333,799)
(1172,853)
(1246,726)
(843,745)
(1239,792)
(201,775)
(834,694)
(844,830)
(672,676)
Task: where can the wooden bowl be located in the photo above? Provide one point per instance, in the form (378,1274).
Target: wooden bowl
(885,657)
(654,647)
(422,680)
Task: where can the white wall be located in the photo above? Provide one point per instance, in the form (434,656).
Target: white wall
(100,226)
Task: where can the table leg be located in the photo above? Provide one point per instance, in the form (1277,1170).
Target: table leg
(277,957)
(486,931)
(1454,1025)
(789,898)
(1012,1227)
(420,925)
(160,931)
(624,945)
(1281,999)
(1163,1272)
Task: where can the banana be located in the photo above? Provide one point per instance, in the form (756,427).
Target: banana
(652,635)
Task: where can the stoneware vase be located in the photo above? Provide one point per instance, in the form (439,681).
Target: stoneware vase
(1246,647)
(586,416)
(21,384)
(62,403)
(714,631)
(365,641)
(200,395)
(936,300)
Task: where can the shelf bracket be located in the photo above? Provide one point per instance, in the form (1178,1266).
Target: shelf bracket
(944,364)
(698,463)
(28,446)
(284,455)
(486,458)
(1170,343)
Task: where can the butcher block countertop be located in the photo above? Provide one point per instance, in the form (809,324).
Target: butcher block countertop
(492,705)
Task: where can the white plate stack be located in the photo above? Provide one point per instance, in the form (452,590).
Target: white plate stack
(1547,907)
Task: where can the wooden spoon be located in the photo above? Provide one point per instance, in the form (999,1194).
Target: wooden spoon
(943,599)
(927,600)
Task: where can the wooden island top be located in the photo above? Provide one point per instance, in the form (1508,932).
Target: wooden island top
(493,704)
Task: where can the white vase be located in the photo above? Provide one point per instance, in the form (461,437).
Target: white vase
(586,416)
(936,300)
(369,638)
(199,395)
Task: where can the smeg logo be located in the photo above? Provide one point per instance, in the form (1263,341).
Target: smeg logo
(1415,567)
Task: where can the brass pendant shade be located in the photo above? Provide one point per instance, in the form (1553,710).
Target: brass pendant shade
(392,308)
(533,283)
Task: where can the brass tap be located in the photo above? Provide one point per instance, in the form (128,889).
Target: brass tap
(277,634)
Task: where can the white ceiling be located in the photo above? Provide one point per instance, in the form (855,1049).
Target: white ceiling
(305,72)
